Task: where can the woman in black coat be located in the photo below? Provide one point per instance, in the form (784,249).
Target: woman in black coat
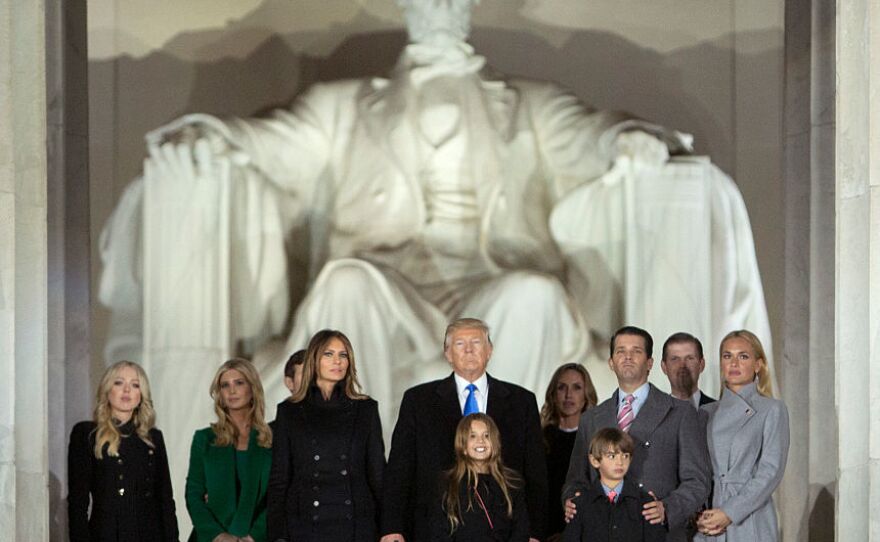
(328,457)
(569,394)
(118,462)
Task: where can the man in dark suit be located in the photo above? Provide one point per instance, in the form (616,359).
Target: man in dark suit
(670,460)
(682,363)
(422,446)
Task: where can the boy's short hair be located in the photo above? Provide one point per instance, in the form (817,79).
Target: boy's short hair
(610,439)
(297,358)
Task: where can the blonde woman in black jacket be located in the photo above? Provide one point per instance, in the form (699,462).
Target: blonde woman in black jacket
(118,464)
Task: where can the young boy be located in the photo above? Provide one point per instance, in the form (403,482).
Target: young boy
(611,508)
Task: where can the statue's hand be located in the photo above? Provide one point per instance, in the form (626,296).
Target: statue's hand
(642,148)
(188,129)
(191,147)
(184,163)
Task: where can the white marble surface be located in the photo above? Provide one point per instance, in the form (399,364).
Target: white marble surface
(857,325)
(23,304)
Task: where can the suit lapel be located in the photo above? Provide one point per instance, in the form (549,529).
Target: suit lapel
(606,413)
(450,410)
(650,415)
(221,467)
(251,481)
(382,107)
(739,412)
(496,402)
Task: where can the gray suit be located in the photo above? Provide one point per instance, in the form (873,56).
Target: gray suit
(670,456)
(748,441)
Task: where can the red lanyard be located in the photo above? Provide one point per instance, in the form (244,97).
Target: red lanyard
(483,506)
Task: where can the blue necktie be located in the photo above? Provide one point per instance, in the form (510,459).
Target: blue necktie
(470,404)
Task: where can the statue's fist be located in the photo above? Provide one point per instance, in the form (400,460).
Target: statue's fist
(642,148)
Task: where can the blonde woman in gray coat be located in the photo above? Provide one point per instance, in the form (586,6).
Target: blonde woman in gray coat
(748,440)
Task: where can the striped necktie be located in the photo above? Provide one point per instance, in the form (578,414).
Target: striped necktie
(626,416)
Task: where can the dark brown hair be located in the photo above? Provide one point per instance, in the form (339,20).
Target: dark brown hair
(297,358)
(610,439)
(632,330)
(316,347)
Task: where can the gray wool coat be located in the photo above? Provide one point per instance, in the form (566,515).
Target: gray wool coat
(748,441)
(670,456)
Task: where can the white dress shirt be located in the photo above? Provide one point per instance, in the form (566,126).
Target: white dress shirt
(481,393)
(640,395)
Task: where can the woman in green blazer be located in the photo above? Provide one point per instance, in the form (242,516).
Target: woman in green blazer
(230,461)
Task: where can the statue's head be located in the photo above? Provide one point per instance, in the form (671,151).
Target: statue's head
(437,22)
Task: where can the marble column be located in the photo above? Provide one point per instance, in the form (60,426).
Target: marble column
(24,501)
(806,502)
(857,278)
(69,316)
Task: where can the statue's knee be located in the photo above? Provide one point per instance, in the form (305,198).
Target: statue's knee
(346,277)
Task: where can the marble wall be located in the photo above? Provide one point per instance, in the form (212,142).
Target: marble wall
(24,495)
(69,317)
(807,495)
(857,269)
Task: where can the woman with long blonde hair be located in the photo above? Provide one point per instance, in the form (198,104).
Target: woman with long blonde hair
(230,460)
(118,462)
(569,394)
(328,459)
(482,500)
(748,438)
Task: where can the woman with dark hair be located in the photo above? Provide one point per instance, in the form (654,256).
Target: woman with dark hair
(568,395)
(748,437)
(229,461)
(328,458)
(118,461)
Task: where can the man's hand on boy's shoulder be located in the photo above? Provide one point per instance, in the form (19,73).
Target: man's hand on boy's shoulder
(571,508)
(654,511)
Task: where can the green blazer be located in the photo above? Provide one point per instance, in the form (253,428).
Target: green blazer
(210,489)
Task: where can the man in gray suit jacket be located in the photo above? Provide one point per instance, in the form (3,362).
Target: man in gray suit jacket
(670,459)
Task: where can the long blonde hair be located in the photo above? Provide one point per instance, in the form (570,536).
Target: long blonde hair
(465,470)
(143,417)
(550,412)
(765,384)
(225,431)
(316,347)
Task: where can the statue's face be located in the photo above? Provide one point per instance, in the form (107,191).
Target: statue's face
(437,21)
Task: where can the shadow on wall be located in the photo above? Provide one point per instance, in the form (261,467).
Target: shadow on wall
(821,521)
(58,510)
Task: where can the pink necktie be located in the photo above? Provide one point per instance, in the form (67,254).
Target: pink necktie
(611,495)
(625,416)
